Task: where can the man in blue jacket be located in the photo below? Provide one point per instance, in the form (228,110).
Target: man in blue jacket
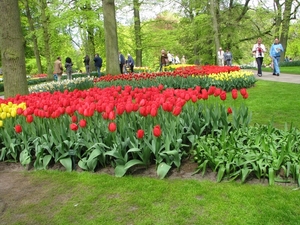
(98,64)
(121,62)
(275,52)
(130,62)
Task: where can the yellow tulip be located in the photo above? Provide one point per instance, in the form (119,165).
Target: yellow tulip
(3,115)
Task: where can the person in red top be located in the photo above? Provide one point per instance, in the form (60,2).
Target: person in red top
(258,51)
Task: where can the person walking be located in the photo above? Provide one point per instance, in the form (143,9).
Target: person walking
(183,60)
(220,55)
(121,62)
(177,60)
(58,69)
(275,52)
(68,66)
(227,58)
(98,64)
(258,51)
(163,60)
(130,63)
(86,61)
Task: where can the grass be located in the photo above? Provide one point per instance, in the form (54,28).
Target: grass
(285,69)
(271,101)
(85,198)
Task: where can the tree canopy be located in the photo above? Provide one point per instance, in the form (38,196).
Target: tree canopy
(75,28)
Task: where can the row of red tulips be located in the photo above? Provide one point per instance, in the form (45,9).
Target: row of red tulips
(181,71)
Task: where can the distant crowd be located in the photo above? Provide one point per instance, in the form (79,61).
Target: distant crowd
(169,59)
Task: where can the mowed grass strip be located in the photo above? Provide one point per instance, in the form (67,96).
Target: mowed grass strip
(285,69)
(271,101)
(86,198)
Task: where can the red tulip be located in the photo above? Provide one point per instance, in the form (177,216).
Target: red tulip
(19,111)
(243,91)
(229,110)
(157,131)
(29,119)
(18,128)
(129,107)
(223,95)
(74,119)
(140,133)
(217,92)
(153,112)
(204,94)
(234,93)
(177,110)
(111,115)
(82,123)
(112,127)
(73,126)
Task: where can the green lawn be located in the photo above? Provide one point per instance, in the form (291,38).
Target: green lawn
(271,101)
(85,198)
(283,69)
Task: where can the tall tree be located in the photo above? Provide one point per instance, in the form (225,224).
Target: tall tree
(45,19)
(111,37)
(214,8)
(33,36)
(137,32)
(12,49)
(285,12)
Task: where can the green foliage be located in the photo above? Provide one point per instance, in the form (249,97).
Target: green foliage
(290,64)
(261,151)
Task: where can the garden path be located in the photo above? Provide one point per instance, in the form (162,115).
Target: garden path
(287,78)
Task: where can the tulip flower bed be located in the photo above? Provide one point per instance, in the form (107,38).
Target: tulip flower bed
(226,78)
(112,126)
(132,127)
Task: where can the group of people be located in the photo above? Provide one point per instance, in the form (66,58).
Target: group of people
(224,58)
(58,68)
(168,59)
(259,50)
(126,65)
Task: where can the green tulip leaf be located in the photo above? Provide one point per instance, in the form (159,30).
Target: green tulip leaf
(67,163)
(46,160)
(162,170)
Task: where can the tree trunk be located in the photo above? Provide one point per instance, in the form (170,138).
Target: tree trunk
(91,46)
(46,35)
(90,37)
(111,37)
(215,25)
(137,32)
(12,49)
(278,11)
(34,39)
(285,25)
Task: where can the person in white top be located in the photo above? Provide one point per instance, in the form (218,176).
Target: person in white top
(177,61)
(170,57)
(220,54)
(183,60)
(258,51)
